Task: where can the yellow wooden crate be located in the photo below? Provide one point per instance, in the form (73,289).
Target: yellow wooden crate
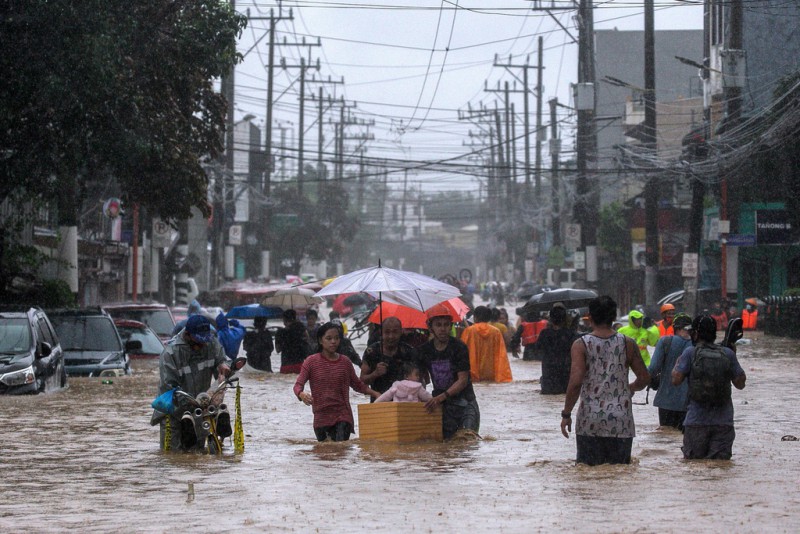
(399,422)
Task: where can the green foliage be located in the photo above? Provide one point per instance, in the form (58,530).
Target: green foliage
(118,89)
(301,228)
(792,292)
(613,234)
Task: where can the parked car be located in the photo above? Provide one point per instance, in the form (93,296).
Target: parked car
(92,346)
(130,330)
(155,315)
(31,359)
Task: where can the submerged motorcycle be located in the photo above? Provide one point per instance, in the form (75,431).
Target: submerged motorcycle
(205,420)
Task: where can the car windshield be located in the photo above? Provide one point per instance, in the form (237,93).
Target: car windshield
(150,342)
(159,320)
(15,336)
(87,333)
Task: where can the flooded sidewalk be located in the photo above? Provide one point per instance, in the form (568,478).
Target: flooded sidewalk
(87,459)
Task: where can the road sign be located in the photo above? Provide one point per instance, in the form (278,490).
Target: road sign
(579,259)
(162,233)
(235,234)
(741,240)
(572,237)
(690,264)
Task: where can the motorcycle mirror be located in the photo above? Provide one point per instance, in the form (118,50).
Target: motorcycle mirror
(238,363)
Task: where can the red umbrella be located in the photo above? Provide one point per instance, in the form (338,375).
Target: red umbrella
(411,318)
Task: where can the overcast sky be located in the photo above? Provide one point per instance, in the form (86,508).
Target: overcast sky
(412,65)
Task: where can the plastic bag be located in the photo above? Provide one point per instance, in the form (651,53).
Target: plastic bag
(164,402)
(230,334)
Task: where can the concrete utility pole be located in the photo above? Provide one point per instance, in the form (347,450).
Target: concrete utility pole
(733,100)
(650,145)
(303,66)
(555,150)
(273,21)
(344,122)
(320,118)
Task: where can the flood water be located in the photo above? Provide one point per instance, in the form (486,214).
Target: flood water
(87,459)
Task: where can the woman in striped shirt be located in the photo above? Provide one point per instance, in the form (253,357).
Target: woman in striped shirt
(330,375)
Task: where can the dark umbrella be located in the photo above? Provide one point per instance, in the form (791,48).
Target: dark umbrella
(528,290)
(571,298)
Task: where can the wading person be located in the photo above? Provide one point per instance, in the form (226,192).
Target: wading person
(604,427)
(258,345)
(382,363)
(671,400)
(446,360)
(641,334)
(189,362)
(667,317)
(487,351)
(330,376)
(555,346)
(292,342)
(527,334)
(708,431)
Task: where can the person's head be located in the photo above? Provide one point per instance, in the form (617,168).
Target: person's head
(558,316)
(603,311)
(667,313)
(704,328)
(635,317)
(260,323)
(503,316)
(289,316)
(328,337)
(198,329)
(495,314)
(748,307)
(311,317)
(334,315)
(439,322)
(682,324)
(411,371)
(391,331)
(194,308)
(482,314)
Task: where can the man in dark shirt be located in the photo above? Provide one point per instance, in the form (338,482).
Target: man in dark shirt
(383,360)
(292,342)
(258,345)
(446,359)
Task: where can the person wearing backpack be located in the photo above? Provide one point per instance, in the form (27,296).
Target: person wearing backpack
(711,369)
(670,400)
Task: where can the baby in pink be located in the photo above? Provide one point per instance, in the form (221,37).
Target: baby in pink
(408,390)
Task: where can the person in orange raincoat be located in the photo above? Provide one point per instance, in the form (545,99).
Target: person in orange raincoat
(488,360)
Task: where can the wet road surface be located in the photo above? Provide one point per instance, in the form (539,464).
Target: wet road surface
(87,459)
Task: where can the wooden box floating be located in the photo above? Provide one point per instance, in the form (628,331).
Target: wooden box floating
(399,422)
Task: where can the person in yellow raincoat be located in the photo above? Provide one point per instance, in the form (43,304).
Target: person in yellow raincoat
(488,360)
(643,337)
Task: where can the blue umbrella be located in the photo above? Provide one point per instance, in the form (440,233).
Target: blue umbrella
(254,310)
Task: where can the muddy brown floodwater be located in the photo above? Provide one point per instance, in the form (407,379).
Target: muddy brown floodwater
(86,459)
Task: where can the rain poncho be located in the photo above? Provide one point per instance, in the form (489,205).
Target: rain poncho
(643,337)
(488,360)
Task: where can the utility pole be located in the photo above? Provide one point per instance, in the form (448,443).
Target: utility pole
(650,145)
(273,20)
(733,99)
(320,118)
(555,150)
(303,66)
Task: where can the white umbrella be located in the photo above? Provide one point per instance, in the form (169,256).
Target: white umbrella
(400,287)
(291,298)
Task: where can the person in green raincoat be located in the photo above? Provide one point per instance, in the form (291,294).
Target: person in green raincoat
(643,337)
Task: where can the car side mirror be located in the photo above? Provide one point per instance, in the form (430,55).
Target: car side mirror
(45,350)
(133,345)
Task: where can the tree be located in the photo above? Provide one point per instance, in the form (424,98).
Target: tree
(94,89)
(316,230)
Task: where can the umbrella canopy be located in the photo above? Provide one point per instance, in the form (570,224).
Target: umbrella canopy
(290,298)
(400,287)
(251,311)
(412,318)
(571,298)
(528,289)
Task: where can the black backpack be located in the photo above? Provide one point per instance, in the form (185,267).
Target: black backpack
(710,376)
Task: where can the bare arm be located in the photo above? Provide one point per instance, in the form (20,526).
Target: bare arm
(368,375)
(576,375)
(636,363)
(454,389)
